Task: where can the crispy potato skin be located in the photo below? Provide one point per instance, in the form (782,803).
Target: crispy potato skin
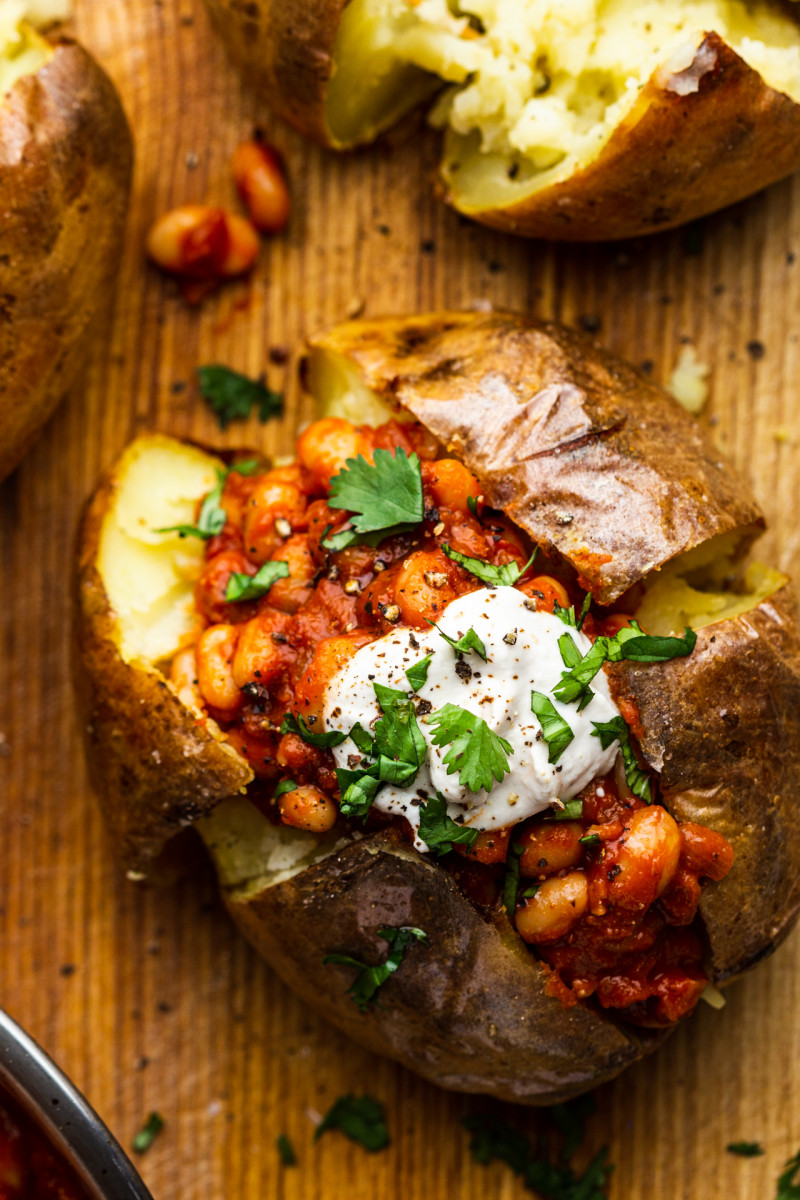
(722,728)
(153,768)
(678,155)
(285,50)
(65,166)
(577,447)
(470,1013)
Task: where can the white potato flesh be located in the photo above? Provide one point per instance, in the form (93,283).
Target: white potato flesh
(149,577)
(22,51)
(537,86)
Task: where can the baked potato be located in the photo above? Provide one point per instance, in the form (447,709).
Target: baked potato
(598,120)
(234,621)
(65,168)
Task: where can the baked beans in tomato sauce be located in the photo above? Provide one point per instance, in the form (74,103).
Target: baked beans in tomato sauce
(609,898)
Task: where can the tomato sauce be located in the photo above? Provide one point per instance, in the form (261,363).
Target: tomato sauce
(30,1166)
(607,898)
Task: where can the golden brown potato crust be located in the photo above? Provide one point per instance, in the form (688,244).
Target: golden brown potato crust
(154,769)
(697,140)
(285,50)
(65,166)
(722,728)
(577,447)
(470,1013)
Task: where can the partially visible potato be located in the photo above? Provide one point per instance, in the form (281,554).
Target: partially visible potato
(65,167)
(587,122)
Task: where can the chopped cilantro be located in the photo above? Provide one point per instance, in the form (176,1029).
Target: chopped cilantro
(323,741)
(384,496)
(567,615)
(144,1139)
(745,1149)
(212,517)
(502,576)
(285,785)
(252,587)
(358,789)
(233,396)
(418,673)
(399,743)
(572,811)
(555,730)
(542,1170)
(590,839)
(632,644)
(439,832)
(616,730)
(365,985)
(468,641)
(511,878)
(286,1150)
(574,683)
(472,505)
(361,1119)
(477,752)
(788,1184)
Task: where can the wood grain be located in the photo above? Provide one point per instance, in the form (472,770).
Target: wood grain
(152,1001)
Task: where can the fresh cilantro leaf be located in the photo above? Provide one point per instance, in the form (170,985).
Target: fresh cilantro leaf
(472,505)
(361,1119)
(248,466)
(397,734)
(323,741)
(616,730)
(469,641)
(285,785)
(530,892)
(632,644)
(587,601)
(745,1149)
(567,615)
(363,739)
(572,811)
(339,541)
(590,839)
(418,673)
(252,587)
(477,752)
(511,878)
(788,1185)
(502,576)
(143,1140)
(233,396)
(555,730)
(439,831)
(369,979)
(384,496)
(286,1150)
(574,684)
(358,789)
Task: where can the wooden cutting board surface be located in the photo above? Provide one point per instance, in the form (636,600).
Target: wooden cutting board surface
(152,1001)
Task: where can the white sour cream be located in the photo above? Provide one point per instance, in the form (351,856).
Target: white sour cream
(522,656)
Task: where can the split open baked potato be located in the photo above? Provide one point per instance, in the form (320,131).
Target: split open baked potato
(592,120)
(628,501)
(65,167)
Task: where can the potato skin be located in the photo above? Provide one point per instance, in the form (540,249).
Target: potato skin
(722,728)
(580,449)
(678,155)
(470,1013)
(285,50)
(153,768)
(65,166)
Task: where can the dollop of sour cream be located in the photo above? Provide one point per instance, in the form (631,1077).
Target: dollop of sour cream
(523,655)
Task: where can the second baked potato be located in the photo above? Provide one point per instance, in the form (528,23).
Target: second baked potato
(65,167)
(593,120)
(231,623)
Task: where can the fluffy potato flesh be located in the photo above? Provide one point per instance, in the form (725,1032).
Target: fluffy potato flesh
(22,50)
(533,90)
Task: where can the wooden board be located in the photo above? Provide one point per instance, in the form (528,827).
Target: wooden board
(153,1001)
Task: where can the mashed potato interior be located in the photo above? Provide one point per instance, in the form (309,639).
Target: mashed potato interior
(22,50)
(536,87)
(149,576)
